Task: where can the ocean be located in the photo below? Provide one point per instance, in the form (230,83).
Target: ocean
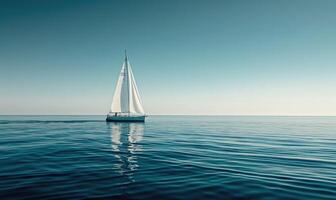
(168,157)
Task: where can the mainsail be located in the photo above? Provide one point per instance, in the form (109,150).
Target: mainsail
(126,97)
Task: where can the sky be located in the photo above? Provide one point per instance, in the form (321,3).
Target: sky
(194,57)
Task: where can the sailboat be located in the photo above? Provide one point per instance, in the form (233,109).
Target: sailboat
(126,104)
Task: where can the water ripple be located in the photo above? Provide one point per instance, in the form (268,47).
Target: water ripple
(175,157)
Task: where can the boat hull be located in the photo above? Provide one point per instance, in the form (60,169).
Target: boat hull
(125,118)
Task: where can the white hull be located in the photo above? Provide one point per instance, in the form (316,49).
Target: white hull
(112,118)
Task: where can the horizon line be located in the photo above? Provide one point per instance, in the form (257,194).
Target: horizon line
(210,115)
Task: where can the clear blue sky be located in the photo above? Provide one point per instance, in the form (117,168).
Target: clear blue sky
(189,57)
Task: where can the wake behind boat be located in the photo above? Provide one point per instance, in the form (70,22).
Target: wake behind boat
(126,104)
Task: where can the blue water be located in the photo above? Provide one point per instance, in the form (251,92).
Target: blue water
(168,157)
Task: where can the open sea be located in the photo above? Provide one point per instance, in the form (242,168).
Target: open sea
(168,157)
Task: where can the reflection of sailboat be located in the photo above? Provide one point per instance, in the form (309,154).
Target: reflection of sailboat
(125,138)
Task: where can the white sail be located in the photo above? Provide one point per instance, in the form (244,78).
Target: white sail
(120,101)
(135,103)
(126,97)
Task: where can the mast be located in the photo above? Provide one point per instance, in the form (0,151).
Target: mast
(128,84)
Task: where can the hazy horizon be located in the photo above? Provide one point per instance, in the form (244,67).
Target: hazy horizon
(190,115)
(242,58)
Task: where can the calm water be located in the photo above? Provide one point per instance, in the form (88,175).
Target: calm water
(189,157)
